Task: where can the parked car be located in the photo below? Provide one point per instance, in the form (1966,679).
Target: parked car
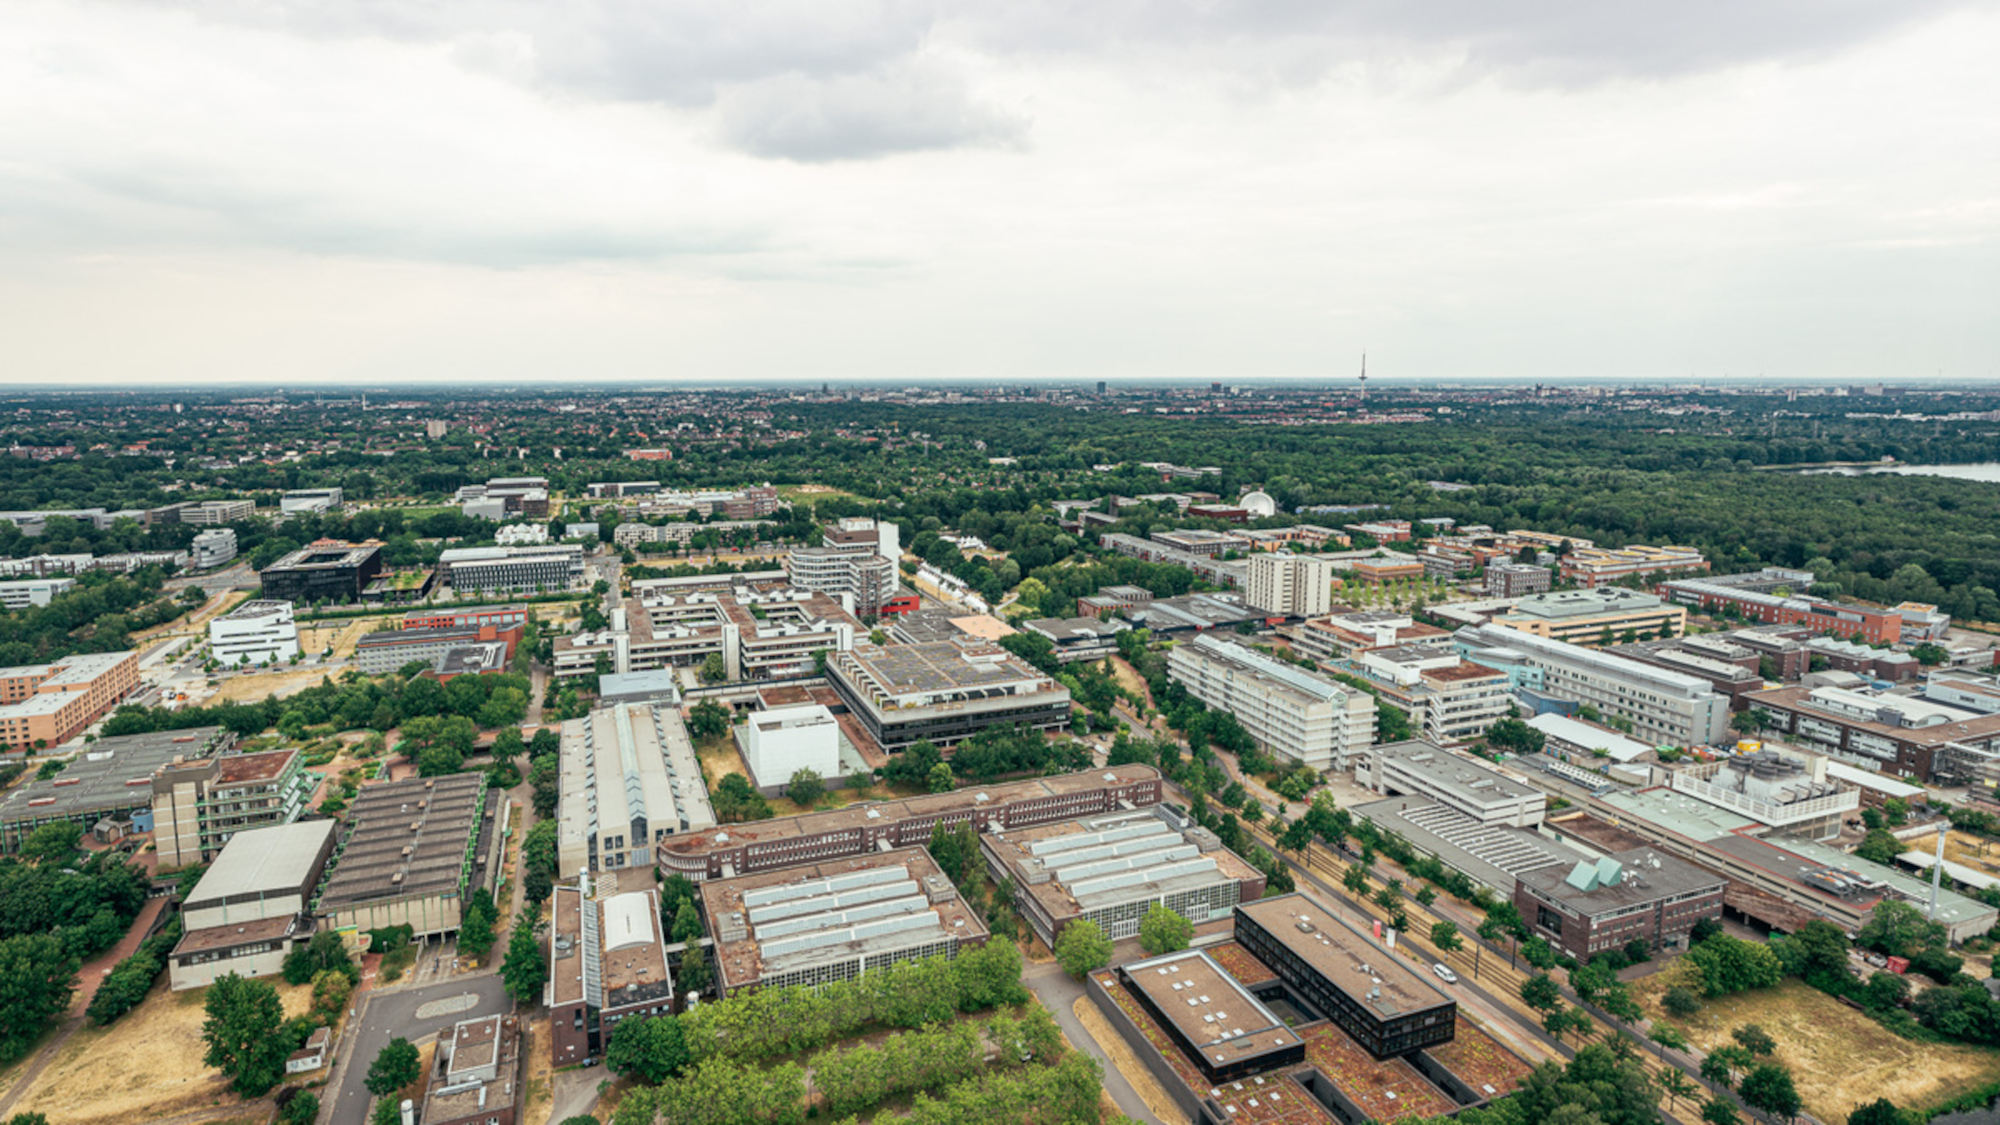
(1444,974)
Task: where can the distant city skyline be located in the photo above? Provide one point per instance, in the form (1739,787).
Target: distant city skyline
(499,193)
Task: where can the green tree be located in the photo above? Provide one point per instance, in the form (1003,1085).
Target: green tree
(243,1033)
(1163,930)
(1754,1039)
(1898,929)
(324,951)
(524,971)
(1541,993)
(941,779)
(475,928)
(1081,947)
(1720,1110)
(687,923)
(396,1065)
(714,669)
(1355,879)
(37,978)
(1722,1064)
(806,788)
(649,1049)
(302,1109)
(708,719)
(53,843)
(1680,1001)
(695,974)
(1444,935)
(1730,965)
(1769,1087)
(1881,1111)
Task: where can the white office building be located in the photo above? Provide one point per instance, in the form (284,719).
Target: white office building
(629,779)
(261,631)
(1289,711)
(307,500)
(784,740)
(487,571)
(1424,769)
(25,592)
(1289,585)
(1663,707)
(522,535)
(856,559)
(212,548)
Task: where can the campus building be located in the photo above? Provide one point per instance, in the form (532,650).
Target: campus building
(109,784)
(1448,698)
(1293,713)
(1383,1001)
(1514,580)
(835,920)
(1345,636)
(256,632)
(476,1076)
(200,803)
(1599,616)
(779,742)
(1217,1023)
(251,906)
(212,548)
(856,559)
(309,500)
(741,849)
(1776,596)
(1597,906)
(511,570)
(513,496)
(49,704)
(1597,566)
(762,629)
(1664,707)
(629,779)
(607,962)
(943,692)
(412,852)
(22,593)
(1289,585)
(327,571)
(1903,735)
(1111,869)
(1456,781)
(378,654)
(1079,638)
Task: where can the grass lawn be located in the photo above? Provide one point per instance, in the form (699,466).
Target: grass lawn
(146,1066)
(1839,1058)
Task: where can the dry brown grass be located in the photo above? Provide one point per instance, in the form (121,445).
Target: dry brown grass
(1839,1058)
(538,1090)
(144,1067)
(252,687)
(1125,1062)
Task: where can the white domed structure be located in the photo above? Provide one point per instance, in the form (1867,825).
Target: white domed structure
(1258,503)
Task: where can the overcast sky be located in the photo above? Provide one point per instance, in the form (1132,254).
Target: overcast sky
(275,190)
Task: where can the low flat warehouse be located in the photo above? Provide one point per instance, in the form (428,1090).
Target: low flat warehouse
(414,850)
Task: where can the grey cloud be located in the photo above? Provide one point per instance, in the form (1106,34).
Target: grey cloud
(860,116)
(161,205)
(1555,41)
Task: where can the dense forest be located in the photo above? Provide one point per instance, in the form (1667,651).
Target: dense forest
(1721,478)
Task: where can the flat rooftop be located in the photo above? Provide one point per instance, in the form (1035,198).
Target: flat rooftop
(1076,865)
(112,773)
(1345,956)
(253,769)
(279,858)
(1208,1008)
(889,812)
(867,906)
(1491,854)
(1688,817)
(324,558)
(1797,861)
(942,666)
(406,839)
(1457,773)
(1586,603)
(1625,879)
(210,938)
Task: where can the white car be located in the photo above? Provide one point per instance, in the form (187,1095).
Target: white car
(1444,974)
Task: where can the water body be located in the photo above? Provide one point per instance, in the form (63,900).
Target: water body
(1988,471)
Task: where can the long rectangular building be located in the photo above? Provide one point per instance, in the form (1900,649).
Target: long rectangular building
(1596,616)
(1293,713)
(43,705)
(1383,1001)
(761,629)
(607,963)
(1775,596)
(1663,706)
(1111,869)
(249,909)
(1897,734)
(835,920)
(380,653)
(412,852)
(1425,769)
(512,570)
(764,845)
(629,779)
(112,780)
(326,571)
(944,692)
(1216,1022)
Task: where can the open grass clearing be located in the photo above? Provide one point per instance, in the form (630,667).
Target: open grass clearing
(144,1067)
(1839,1057)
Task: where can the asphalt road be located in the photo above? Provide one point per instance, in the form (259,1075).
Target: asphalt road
(1059,994)
(385,1015)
